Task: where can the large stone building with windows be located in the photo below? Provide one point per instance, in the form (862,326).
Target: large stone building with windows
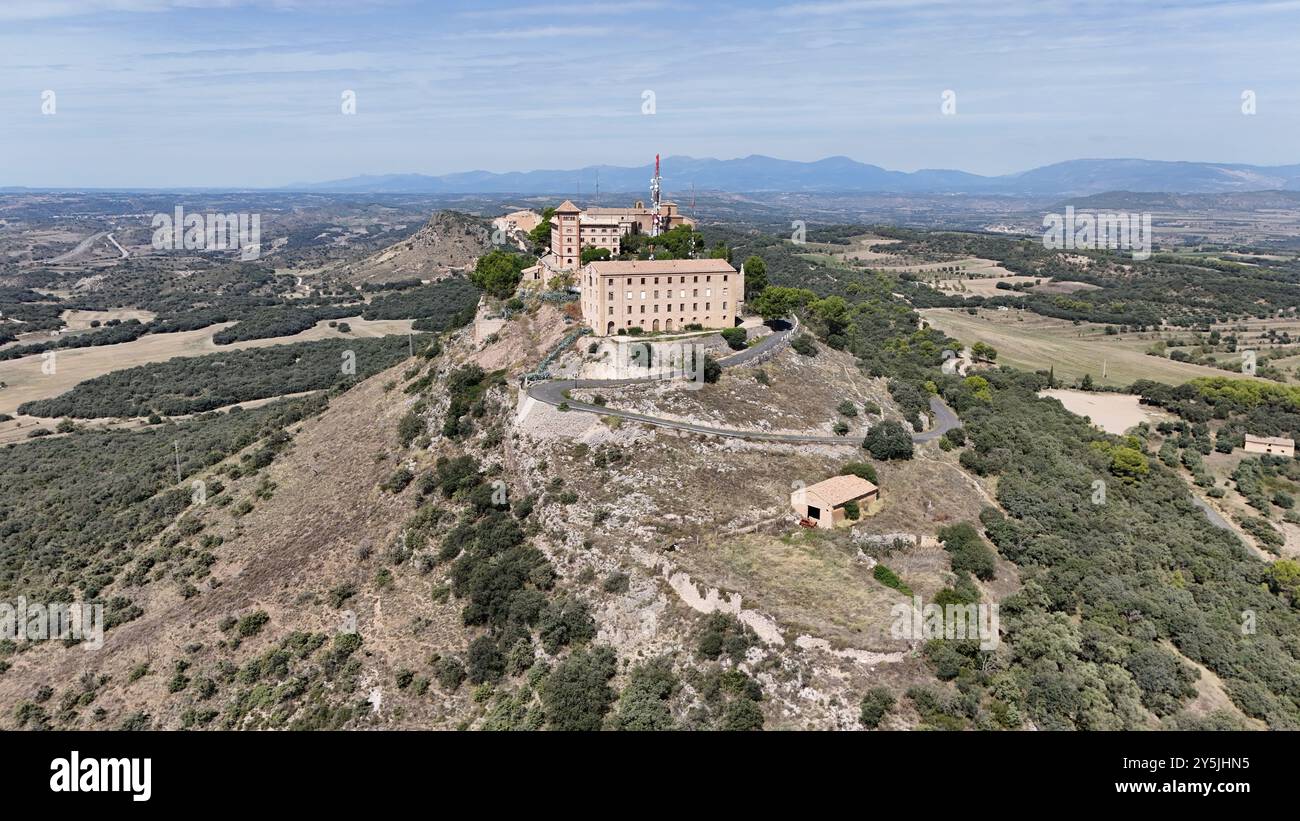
(660,294)
(573,229)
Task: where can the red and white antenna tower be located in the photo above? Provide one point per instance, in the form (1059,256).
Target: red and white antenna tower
(655,182)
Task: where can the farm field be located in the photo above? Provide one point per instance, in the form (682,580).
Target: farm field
(25,380)
(1040,343)
(1112,412)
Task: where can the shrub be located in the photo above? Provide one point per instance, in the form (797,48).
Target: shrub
(725,635)
(889,578)
(486,663)
(577,694)
(712,370)
(252,624)
(742,715)
(888,440)
(969,552)
(449,672)
(876,704)
(616,582)
(736,338)
(803,344)
(398,481)
(863,470)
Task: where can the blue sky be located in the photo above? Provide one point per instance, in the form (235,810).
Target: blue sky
(248,92)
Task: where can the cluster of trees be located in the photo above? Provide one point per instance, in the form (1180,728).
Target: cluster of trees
(77,508)
(439,306)
(1109,583)
(498,273)
(1263,408)
(267,323)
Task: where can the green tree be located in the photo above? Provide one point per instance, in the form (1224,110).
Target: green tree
(540,236)
(592,254)
(778,302)
(755,275)
(498,273)
(577,694)
(1128,463)
(888,440)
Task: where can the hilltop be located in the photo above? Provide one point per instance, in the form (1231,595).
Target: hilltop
(449,242)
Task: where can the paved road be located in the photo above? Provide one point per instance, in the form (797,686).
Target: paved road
(81,248)
(1212,514)
(118,246)
(552,393)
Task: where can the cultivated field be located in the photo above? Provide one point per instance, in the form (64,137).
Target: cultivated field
(1040,343)
(25,380)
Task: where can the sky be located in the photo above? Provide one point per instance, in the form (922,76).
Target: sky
(250,93)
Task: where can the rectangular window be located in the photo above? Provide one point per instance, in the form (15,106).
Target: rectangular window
(708,292)
(706,306)
(629,294)
(643,294)
(642,309)
(611,310)
(724,306)
(724,277)
(656,294)
(656,308)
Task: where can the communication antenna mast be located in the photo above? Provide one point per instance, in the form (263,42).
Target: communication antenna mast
(655,183)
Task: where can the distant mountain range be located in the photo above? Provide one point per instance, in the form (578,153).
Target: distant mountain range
(757,173)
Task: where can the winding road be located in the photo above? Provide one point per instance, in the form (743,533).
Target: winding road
(552,392)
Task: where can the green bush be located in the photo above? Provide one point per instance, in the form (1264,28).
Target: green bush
(876,704)
(889,578)
(736,338)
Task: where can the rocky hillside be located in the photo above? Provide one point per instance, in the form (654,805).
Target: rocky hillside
(449,241)
(435,549)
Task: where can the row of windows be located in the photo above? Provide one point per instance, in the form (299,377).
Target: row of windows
(707,278)
(695,292)
(695,306)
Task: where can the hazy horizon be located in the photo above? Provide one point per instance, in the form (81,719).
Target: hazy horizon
(249,93)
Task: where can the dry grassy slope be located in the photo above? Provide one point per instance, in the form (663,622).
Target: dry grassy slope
(282,558)
(448,241)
